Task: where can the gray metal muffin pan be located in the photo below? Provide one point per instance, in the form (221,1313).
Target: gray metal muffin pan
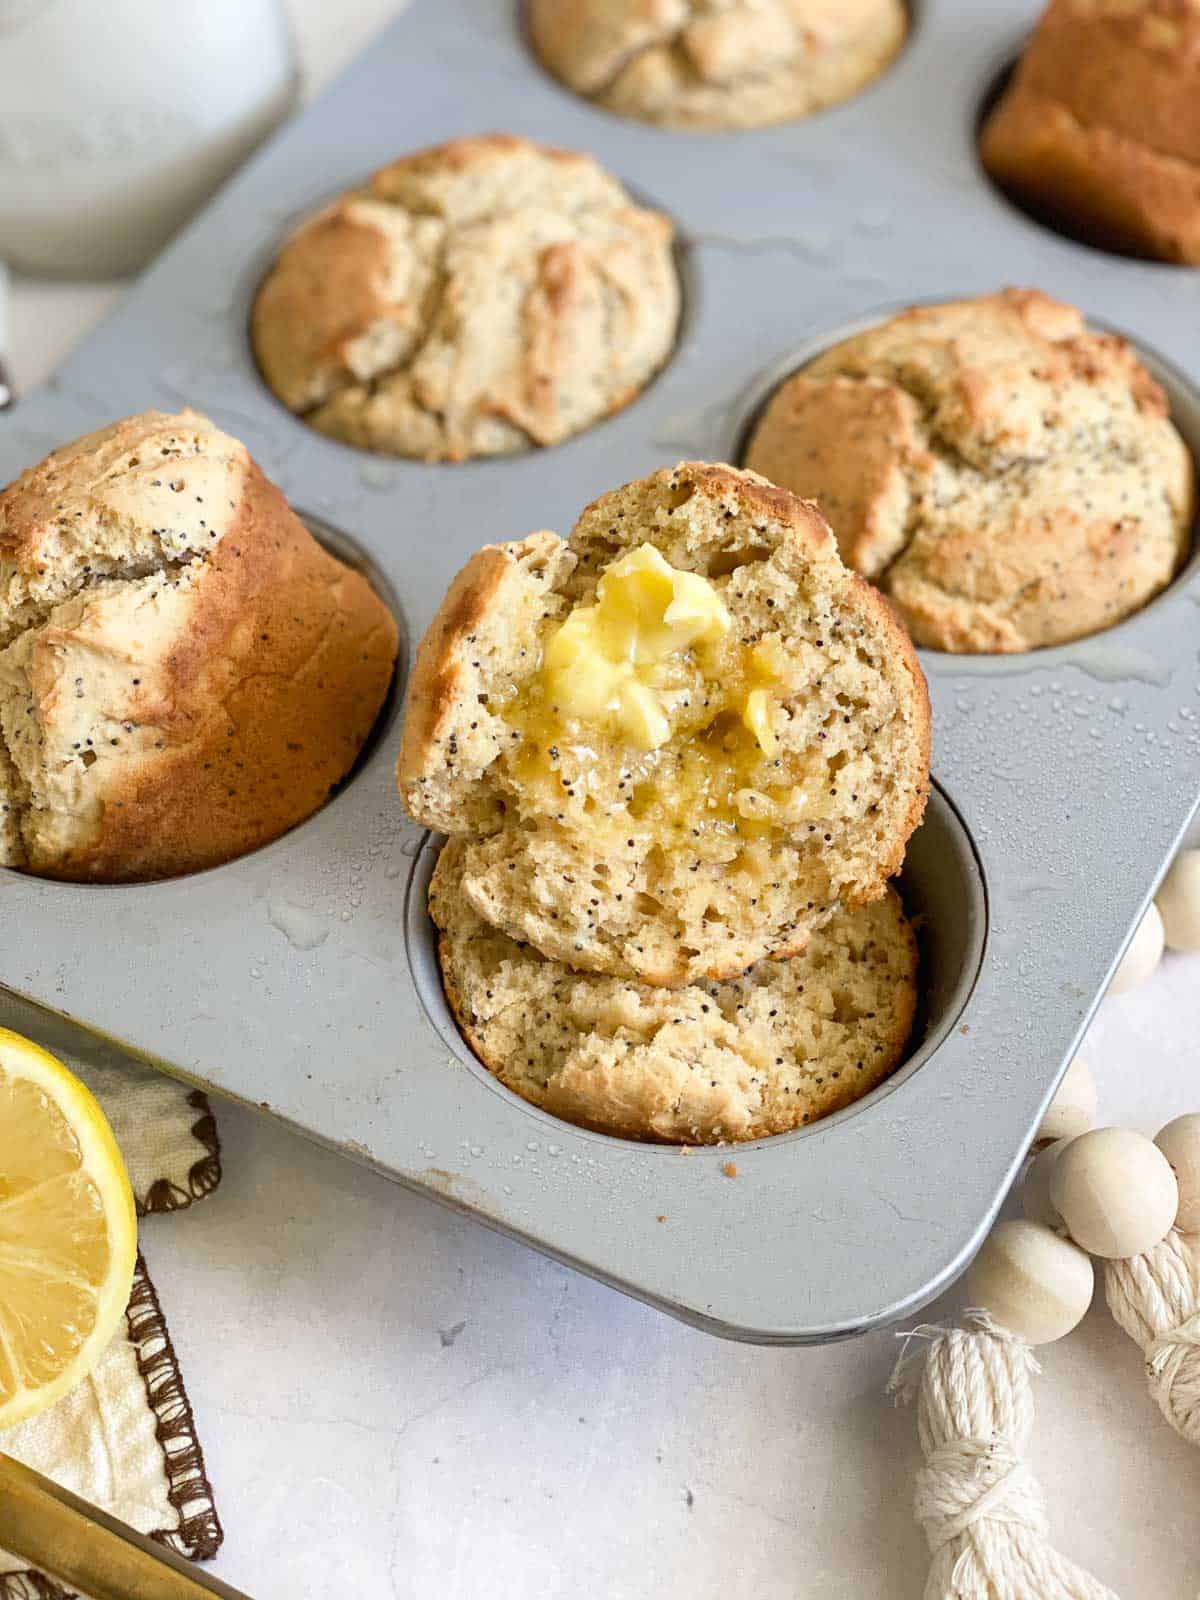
(301,978)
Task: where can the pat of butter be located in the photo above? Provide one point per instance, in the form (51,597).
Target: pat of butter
(757,717)
(612,659)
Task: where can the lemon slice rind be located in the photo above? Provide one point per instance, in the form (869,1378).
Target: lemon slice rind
(101,1165)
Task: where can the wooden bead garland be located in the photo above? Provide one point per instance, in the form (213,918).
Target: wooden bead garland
(1115,1192)
(1155,1297)
(1143,955)
(982,1509)
(1133,1202)
(1035,1193)
(1034,1283)
(1073,1109)
(1179,1141)
(1179,902)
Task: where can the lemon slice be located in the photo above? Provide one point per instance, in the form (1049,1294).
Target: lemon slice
(68,1233)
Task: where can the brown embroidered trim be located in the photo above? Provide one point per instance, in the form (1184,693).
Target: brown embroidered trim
(31,1586)
(203,1177)
(199,1533)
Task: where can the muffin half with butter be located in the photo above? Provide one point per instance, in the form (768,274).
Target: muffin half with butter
(674,744)
(184,672)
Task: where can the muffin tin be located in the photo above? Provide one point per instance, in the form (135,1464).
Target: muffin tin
(302,978)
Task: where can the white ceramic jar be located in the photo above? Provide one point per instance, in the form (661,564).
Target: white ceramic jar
(117,119)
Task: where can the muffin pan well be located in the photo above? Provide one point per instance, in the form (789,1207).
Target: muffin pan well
(943,892)
(1183,402)
(289,979)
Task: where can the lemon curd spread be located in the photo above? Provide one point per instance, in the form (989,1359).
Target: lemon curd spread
(649,713)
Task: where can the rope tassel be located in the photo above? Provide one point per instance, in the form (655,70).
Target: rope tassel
(982,1509)
(1155,1297)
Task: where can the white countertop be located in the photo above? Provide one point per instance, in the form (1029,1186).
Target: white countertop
(395,1402)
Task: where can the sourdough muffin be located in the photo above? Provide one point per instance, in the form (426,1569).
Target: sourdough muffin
(1008,477)
(675,743)
(716,63)
(474,299)
(1098,132)
(184,672)
(786,1043)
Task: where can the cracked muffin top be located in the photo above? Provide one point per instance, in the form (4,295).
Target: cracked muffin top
(716,63)
(473,299)
(674,743)
(1009,477)
(184,672)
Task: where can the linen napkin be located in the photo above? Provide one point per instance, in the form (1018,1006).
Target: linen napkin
(126,1439)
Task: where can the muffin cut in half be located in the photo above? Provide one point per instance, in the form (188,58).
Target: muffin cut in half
(1098,133)
(473,299)
(675,743)
(778,1047)
(1009,477)
(184,672)
(716,63)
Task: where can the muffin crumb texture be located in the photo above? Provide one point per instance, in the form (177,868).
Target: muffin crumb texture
(716,63)
(473,299)
(184,672)
(1009,478)
(764,1053)
(1098,133)
(778,771)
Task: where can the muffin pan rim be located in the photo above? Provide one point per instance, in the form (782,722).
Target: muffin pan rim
(884,1208)
(923,1042)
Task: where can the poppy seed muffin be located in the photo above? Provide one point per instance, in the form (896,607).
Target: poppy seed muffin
(675,743)
(716,63)
(1009,478)
(778,1047)
(473,299)
(1099,130)
(184,672)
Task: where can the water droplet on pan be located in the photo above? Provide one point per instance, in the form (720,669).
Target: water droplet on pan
(301,926)
(379,475)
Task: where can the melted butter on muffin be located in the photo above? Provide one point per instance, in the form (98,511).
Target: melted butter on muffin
(649,707)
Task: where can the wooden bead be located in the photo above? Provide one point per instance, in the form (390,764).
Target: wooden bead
(1115,1191)
(1073,1109)
(1035,1284)
(1178,902)
(1035,1191)
(1179,1141)
(1143,955)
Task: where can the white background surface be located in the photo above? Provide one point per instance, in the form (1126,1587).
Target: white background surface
(396,1403)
